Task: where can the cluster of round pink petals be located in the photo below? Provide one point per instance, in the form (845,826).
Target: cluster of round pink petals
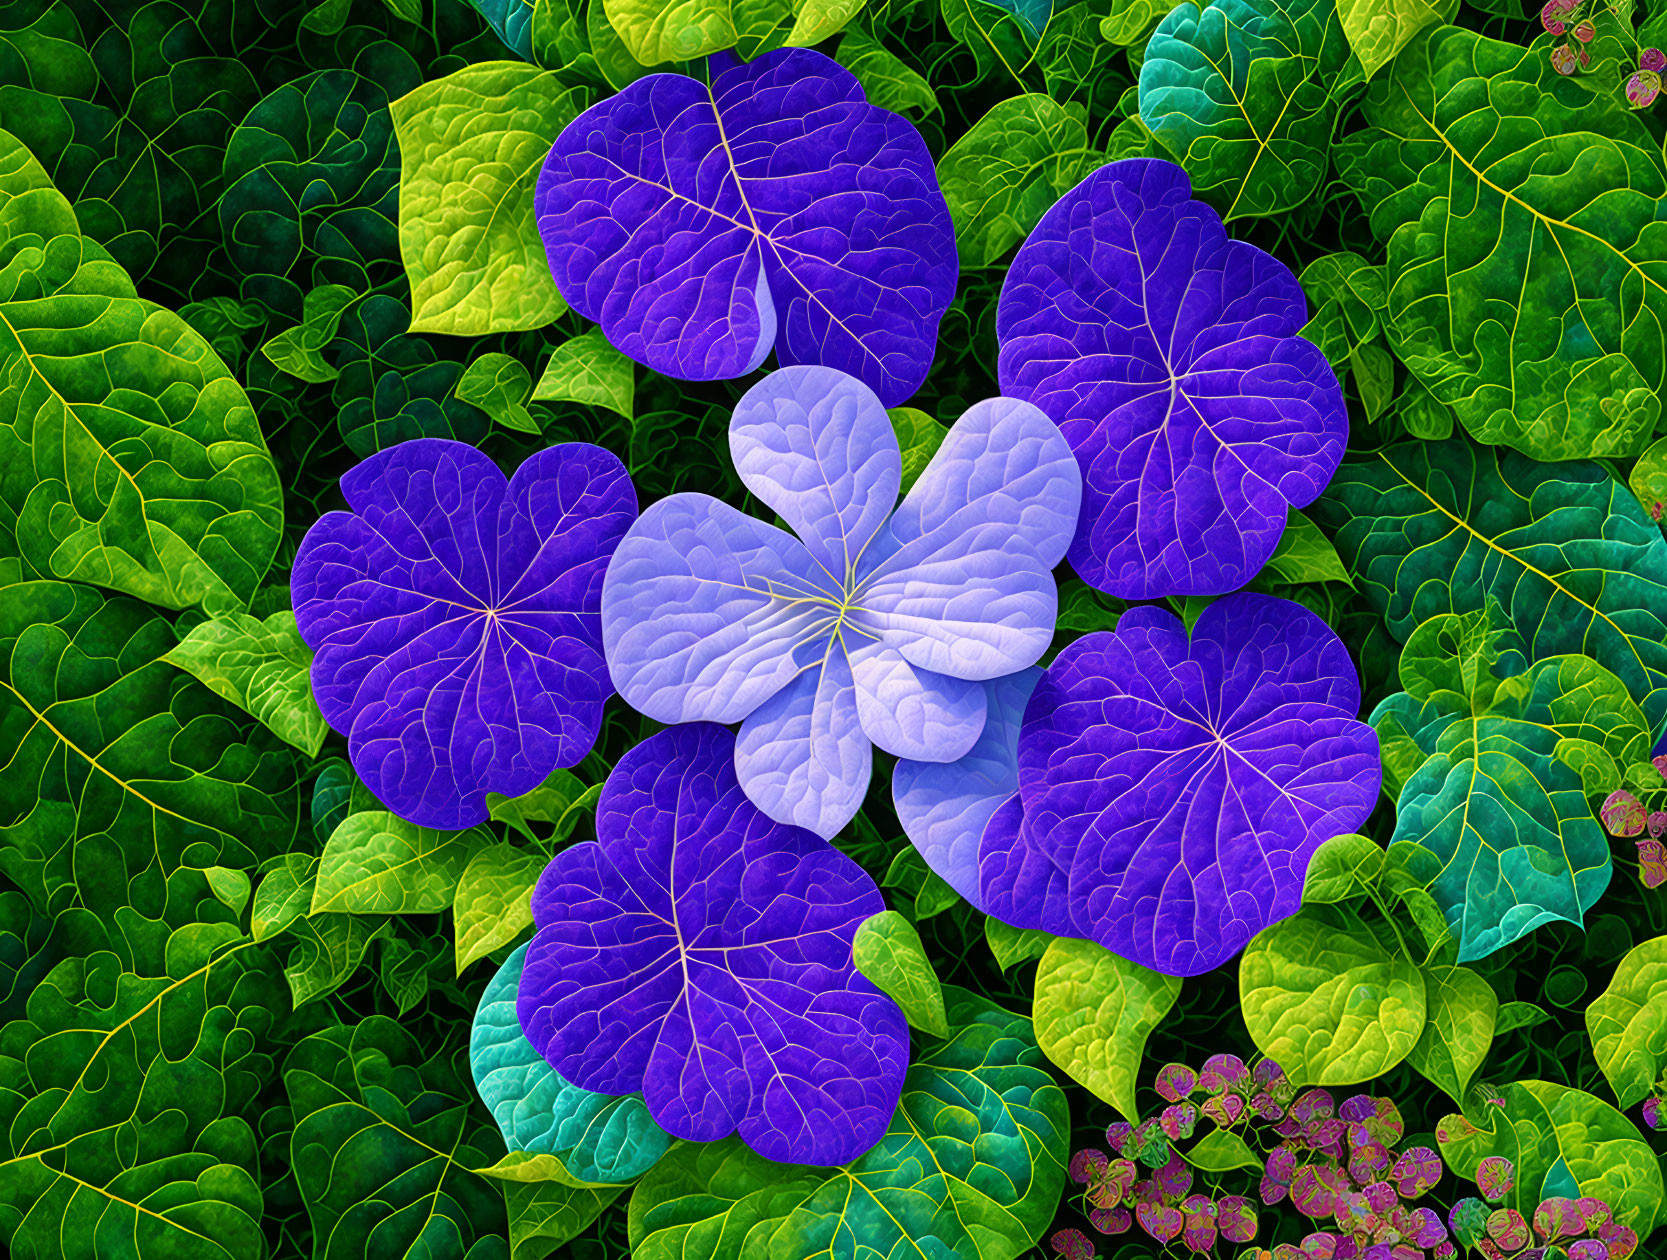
(1624,815)
(1337,1164)
(1641,90)
(1578,1229)
(1552,15)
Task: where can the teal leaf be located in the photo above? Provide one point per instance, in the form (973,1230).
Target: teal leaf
(596,1137)
(1429,528)
(1494,822)
(972,1166)
(1241,92)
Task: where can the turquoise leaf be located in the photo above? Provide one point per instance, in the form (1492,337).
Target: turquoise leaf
(597,1137)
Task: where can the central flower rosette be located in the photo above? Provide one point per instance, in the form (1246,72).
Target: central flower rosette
(866,625)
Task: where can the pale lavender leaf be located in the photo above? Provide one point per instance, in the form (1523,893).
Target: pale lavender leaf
(817,446)
(802,755)
(966,586)
(913,712)
(944,807)
(707,613)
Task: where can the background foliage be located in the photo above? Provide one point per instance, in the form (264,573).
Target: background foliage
(235,1028)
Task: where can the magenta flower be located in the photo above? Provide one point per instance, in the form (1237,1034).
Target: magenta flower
(1654,59)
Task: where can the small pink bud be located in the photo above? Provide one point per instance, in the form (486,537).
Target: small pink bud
(1641,91)
(1563,59)
(1652,59)
(1585,32)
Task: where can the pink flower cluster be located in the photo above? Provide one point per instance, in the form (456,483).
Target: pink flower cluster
(1626,817)
(1578,1229)
(1336,1164)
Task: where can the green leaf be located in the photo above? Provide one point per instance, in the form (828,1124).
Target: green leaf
(1431,528)
(595,1138)
(545,1215)
(885,80)
(918,437)
(284,894)
(377,863)
(327,17)
(122,772)
(561,800)
(1343,867)
(1324,998)
(327,951)
(615,61)
(129,455)
(656,31)
(261,667)
(231,887)
(1461,1009)
(972,1165)
(1130,22)
(1013,945)
(1002,34)
(1486,173)
(471,146)
(1628,1023)
(1494,823)
(500,386)
(384,1146)
(1241,92)
(1561,1142)
(888,951)
(1083,609)
(1003,174)
(171,1060)
(1378,29)
(300,350)
(1220,1150)
(1305,554)
(1094,1011)
(587,369)
(931,892)
(493,905)
(1514,1015)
